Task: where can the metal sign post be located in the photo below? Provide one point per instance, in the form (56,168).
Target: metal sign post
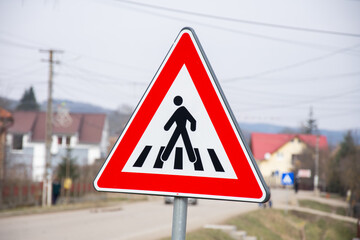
(179,218)
(286,180)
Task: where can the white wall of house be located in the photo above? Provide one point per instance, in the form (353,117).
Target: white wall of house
(9,139)
(59,141)
(94,152)
(38,161)
(63,141)
(37,158)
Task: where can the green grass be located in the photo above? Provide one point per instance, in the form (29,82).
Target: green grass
(267,224)
(276,224)
(325,228)
(322,207)
(273,224)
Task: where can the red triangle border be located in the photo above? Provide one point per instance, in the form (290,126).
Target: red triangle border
(249,186)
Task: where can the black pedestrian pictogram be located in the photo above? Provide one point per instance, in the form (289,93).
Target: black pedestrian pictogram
(180,117)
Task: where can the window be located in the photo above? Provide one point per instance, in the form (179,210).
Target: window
(60,140)
(68,140)
(294,158)
(17,142)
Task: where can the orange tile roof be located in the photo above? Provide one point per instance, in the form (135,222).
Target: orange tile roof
(6,119)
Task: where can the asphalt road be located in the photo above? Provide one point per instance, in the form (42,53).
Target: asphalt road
(141,220)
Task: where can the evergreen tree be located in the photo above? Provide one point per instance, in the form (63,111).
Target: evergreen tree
(67,168)
(348,158)
(28,101)
(344,168)
(310,126)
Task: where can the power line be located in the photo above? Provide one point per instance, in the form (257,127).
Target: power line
(100,76)
(263,24)
(92,73)
(293,65)
(34,43)
(311,101)
(284,97)
(301,80)
(328,77)
(296,106)
(136,68)
(17,69)
(19,45)
(73,91)
(100,81)
(22,73)
(255,35)
(282,94)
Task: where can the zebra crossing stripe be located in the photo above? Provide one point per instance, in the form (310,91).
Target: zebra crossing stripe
(215,161)
(141,159)
(159,163)
(178,163)
(198,164)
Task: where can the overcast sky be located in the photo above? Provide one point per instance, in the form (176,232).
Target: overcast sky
(274,59)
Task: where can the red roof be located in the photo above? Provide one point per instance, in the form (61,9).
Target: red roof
(92,127)
(89,127)
(23,122)
(262,143)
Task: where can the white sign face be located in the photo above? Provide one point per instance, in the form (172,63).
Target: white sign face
(304,173)
(202,139)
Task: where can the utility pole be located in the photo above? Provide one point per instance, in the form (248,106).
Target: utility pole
(316,176)
(47,181)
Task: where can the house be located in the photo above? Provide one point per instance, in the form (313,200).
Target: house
(85,134)
(6,120)
(277,153)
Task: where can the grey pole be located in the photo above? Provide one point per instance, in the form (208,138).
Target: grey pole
(316,176)
(179,218)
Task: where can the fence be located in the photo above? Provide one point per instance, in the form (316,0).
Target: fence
(26,193)
(20,193)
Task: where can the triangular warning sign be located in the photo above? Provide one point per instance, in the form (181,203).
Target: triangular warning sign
(182,139)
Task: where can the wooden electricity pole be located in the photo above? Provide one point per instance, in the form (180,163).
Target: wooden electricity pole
(47,182)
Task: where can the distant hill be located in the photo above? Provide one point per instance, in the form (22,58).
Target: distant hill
(333,137)
(79,107)
(118,119)
(8,104)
